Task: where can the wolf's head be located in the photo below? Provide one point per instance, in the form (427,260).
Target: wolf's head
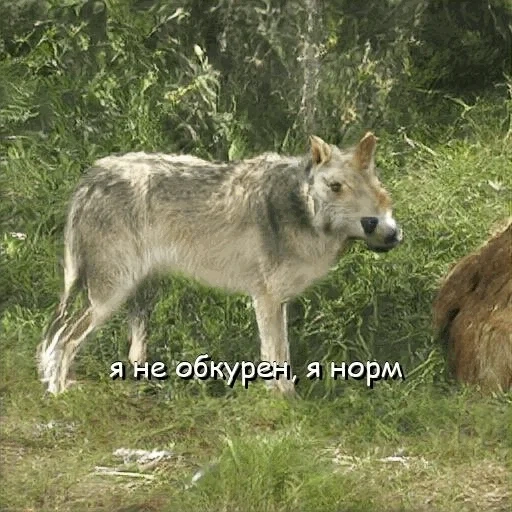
(349,197)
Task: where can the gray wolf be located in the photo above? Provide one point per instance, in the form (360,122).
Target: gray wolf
(268,226)
(473,314)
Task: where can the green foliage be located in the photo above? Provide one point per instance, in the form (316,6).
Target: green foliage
(83,78)
(89,77)
(91,73)
(463,46)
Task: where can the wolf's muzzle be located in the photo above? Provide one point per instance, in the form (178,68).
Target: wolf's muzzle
(392,239)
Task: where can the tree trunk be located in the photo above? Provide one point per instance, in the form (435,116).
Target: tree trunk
(311,66)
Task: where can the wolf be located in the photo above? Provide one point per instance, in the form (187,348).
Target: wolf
(268,227)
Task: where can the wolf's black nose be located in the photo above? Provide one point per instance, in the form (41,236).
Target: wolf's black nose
(369,224)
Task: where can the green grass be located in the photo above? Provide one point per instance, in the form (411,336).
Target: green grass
(329,449)
(324,451)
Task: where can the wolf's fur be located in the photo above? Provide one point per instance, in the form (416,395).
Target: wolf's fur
(268,227)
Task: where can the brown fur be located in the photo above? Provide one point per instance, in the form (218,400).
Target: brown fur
(473,313)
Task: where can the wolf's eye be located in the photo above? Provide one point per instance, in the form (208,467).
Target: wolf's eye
(335,187)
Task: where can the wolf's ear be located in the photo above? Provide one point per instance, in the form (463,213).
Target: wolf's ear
(365,152)
(320,150)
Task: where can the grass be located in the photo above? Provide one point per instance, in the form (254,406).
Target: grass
(419,444)
(328,450)
(260,452)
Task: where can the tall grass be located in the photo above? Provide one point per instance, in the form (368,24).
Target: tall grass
(450,182)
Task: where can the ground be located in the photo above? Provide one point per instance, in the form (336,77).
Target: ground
(401,449)
(419,444)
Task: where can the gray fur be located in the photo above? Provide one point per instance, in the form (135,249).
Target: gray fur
(268,227)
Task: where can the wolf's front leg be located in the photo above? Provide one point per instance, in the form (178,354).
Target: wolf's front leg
(273,329)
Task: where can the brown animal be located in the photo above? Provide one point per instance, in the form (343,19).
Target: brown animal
(473,314)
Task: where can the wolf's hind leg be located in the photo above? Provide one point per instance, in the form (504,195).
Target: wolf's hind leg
(68,332)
